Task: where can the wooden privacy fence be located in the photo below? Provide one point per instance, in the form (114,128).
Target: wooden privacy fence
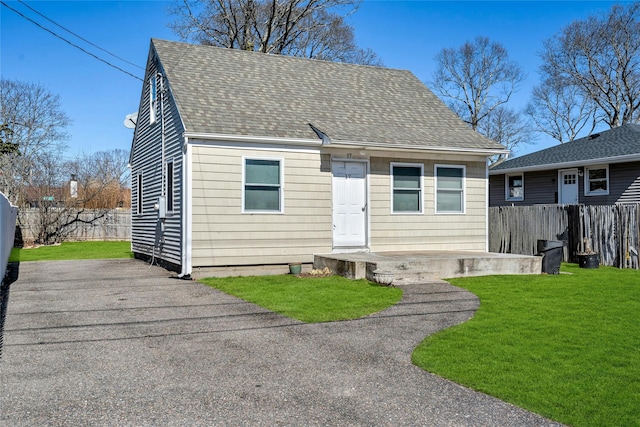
(613,231)
(114,225)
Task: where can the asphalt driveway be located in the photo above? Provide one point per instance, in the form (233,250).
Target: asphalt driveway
(119,343)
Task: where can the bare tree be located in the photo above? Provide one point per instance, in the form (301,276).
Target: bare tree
(506,127)
(476,79)
(305,28)
(599,58)
(559,110)
(100,186)
(33,127)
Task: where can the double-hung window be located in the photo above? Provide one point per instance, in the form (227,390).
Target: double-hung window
(406,188)
(170,186)
(139,194)
(514,187)
(596,180)
(263,185)
(450,197)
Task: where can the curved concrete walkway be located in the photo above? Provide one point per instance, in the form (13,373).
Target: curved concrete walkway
(117,343)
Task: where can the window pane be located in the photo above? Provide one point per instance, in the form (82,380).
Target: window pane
(449,201)
(406,177)
(515,181)
(515,192)
(169,187)
(258,198)
(449,178)
(598,185)
(406,201)
(263,172)
(597,173)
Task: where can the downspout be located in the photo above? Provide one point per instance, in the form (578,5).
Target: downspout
(486,205)
(185,212)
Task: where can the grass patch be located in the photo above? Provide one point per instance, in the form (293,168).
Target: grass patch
(73,250)
(312,300)
(566,347)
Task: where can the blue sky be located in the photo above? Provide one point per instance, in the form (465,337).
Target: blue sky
(405,34)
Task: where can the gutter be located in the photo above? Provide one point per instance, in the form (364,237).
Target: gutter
(413,148)
(252,139)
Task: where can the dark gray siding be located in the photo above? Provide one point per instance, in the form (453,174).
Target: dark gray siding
(542,187)
(625,182)
(539,188)
(148,236)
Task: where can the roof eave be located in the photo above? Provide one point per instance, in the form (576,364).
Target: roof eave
(252,139)
(415,148)
(566,165)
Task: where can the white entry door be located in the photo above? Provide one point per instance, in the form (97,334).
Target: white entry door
(349,204)
(568,187)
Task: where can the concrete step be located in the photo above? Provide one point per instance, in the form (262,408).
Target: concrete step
(422,266)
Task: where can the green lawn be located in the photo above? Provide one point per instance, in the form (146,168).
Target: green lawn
(322,299)
(566,347)
(73,250)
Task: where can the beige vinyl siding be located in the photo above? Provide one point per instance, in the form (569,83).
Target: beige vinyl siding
(223,235)
(428,231)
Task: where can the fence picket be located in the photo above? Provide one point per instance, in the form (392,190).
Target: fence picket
(612,231)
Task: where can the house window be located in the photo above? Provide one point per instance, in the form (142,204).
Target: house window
(406,188)
(263,185)
(514,187)
(596,181)
(170,186)
(153,99)
(450,189)
(139,194)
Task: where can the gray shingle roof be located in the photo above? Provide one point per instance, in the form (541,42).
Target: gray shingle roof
(233,92)
(607,145)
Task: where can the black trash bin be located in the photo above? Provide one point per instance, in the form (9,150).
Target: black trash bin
(551,251)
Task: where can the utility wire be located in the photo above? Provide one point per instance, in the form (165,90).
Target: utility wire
(81,38)
(67,41)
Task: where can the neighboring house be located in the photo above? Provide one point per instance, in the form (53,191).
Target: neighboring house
(244,158)
(600,169)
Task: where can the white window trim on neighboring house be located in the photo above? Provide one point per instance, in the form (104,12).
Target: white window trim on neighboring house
(462,191)
(420,189)
(508,194)
(280,186)
(587,181)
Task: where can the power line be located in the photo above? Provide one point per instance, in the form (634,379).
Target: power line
(69,42)
(81,38)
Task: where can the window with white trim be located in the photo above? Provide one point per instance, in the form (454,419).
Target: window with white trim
(450,182)
(596,180)
(153,99)
(139,194)
(514,185)
(170,186)
(262,185)
(406,187)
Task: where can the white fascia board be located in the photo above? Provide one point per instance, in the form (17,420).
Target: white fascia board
(252,139)
(567,165)
(414,148)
